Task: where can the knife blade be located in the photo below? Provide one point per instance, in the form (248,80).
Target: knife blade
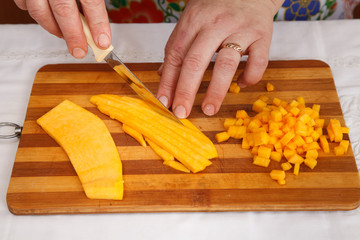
(130,78)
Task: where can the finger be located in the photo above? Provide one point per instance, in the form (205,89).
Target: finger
(256,63)
(67,16)
(195,63)
(97,18)
(41,12)
(21,4)
(175,51)
(226,64)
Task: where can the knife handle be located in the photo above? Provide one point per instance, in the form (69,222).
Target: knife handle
(99,53)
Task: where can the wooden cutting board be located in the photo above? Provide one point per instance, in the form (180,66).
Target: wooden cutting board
(43,180)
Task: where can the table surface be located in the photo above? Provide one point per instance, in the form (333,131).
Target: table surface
(26,48)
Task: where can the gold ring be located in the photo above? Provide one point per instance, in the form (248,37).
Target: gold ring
(234,46)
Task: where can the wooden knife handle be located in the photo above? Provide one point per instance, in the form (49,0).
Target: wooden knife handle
(99,53)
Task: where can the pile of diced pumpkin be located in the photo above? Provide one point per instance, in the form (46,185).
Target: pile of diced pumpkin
(287,130)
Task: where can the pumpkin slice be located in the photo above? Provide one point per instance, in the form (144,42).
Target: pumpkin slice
(90,147)
(185,142)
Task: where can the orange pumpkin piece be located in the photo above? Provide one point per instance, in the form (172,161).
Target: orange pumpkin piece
(286,166)
(234,88)
(264,152)
(222,137)
(310,162)
(258,105)
(276,156)
(260,161)
(269,87)
(345,144)
(277,174)
(324,144)
(237,132)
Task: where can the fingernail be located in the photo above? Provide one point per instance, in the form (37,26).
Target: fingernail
(164,100)
(241,85)
(180,112)
(78,53)
(104,40)
(209,109)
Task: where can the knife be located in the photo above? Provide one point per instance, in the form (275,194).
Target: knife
(110,57)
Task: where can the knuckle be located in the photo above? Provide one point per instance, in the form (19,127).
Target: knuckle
(217,96)
(227,64)
(193,63)
(261,62)
(173,57)
(37,13)
(63,8)
(184,95)
(168,85)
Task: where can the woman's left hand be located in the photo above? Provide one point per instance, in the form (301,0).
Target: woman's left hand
(204,26)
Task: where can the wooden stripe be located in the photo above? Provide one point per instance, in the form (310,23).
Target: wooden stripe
(327,111)
(98,67)
(189,200)
(192,181)
(149,167)
(128,153)
(120,139)
(123,88)
(319,97)
(114,126)
(105,77)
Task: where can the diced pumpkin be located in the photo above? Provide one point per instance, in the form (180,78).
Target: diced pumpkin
(234,88)
(258,105)
(339,150)
(264,98)
(245,143)
(313,153)
(261,138)
(229,122)
(345,130)
(242,114)
(335,126)
(345,144)
(264,152)
(286,166)
(90,148)
(287,137)
(262,162)
(324,144)
(277,174)
(222,137)
(310,162)
(297,169)
(237,132)
(269,87)
(296,159)
(275,156)
(288,153)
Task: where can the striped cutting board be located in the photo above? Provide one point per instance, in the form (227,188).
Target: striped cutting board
(43,180)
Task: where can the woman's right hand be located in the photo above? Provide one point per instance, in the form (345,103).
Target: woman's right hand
(62,18)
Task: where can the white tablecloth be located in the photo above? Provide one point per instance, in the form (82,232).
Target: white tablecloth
(25,48)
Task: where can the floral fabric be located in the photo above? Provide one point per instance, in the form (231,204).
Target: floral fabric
(155,11)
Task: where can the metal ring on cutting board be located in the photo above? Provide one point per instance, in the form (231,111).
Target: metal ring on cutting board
(17,130)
